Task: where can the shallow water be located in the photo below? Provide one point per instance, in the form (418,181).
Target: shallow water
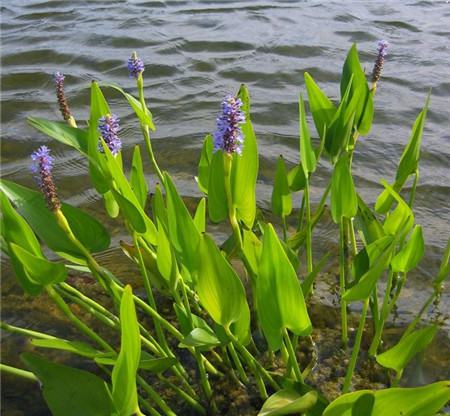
(196,52)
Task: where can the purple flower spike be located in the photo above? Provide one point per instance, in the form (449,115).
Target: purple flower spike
(62,101)
(228,136)
(42,166)
(135,66)
(109,129)
(379,62)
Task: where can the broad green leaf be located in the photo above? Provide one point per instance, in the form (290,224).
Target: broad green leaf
(200,216)
(409,161)
(144,115)
(217,197)
(416,401)
(297,178)
(159,209)
(279,298)
(353,74)
(183,233)
(15,230)
(200,338)
(344,202)
(364,286)
(281,194)
(111,205)
(364,405)
(204,164)
(288,402)
(70,391)
(322,109)
(252,247)
(245,168)
(131,212)
(220,290)
(31,205)
(77,347)
(137,178)
(147,362)
(367,222)
(365,122)
(39,268)
(97,168)
(307,155)
(185,323)
(123,377)
(165,260)
(410,255)
(401,220)
(401,354)
(61,131)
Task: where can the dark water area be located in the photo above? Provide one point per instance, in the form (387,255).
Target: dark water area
(198,51)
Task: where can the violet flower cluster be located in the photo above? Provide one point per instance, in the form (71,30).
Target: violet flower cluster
(62,101)
(228,136)
(379,62)
(135,66)
(109,128)
(42,166)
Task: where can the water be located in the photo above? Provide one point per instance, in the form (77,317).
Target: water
(198,51)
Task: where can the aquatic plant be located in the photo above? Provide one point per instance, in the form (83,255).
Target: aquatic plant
(241,309)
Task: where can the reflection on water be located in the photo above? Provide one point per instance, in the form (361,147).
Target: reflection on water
(196,52)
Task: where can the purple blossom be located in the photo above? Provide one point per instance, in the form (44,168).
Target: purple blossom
(109,129)
(379,62)
(42,166)
(228,136)
(62,101)
(135,66)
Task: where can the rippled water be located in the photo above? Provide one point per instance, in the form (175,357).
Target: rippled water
(197,51)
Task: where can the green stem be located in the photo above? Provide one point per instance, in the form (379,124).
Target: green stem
(237,363)
(185,396)
(74,319)
(284,225)
(301,214)
(23,331)
(292,357)
(155,397)
(385,309)
(344,332)
(417,319)
(308,229)
(18,372)
(356,348)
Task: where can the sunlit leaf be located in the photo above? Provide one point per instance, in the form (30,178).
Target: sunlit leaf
(410,255)
(288,402)
(307,155)
(281,194)
(137,178)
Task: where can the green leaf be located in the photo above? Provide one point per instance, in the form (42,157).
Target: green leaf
(123,377)
(97,168)
(200,338)
(131,212)
(367,222)
(353,76)
(159,207)
(307,155)
(364,286)
(111,205)
(309,280)
(288,402)
(137,178)
(297,178)
(185,323)
(14,229)
(322,109)
(364,405)
(144,115)
(77,347)
(409,161)
(61,131)
(217,197)
(165,259)
(365,122)
(344,202)
(279,298)
(200,216)
(251,246)
(31,205)
(69,391)
(147,362)
(410,255)
(38,268)
(417,401)
(220,290)
(204,165)
(245,168)
(281,194)
(183,233)
(401,354)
